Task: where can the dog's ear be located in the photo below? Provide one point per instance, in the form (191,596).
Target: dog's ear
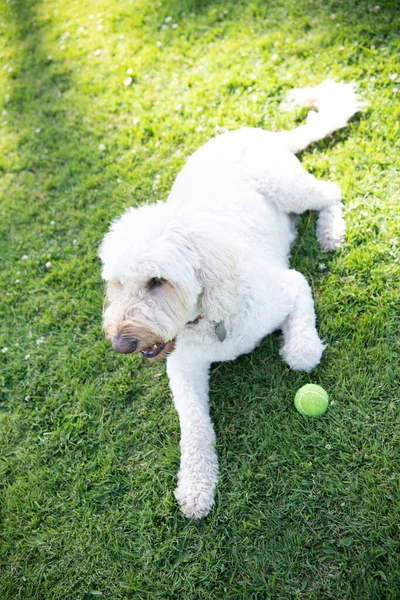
(217,274)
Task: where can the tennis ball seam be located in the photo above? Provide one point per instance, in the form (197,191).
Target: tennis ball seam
(307,392)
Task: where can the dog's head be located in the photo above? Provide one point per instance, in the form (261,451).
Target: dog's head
(160,275)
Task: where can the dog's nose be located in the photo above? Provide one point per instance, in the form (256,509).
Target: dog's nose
(124,345)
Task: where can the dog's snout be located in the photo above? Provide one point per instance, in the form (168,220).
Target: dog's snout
(124,345)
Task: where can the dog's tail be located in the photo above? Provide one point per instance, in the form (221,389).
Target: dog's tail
(335,102)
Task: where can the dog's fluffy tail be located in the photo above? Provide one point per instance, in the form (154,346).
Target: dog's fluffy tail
(335,102)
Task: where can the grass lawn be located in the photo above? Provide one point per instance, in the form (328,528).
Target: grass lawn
(100,104)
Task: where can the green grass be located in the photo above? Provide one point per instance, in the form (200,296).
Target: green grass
(306,509)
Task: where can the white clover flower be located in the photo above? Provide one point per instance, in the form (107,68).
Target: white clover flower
(27,356)
(168,19)
(99,27)
(39,341)
(102,147)
(4,350)
(274,57)
(25,257)
(135,120)
(37,130)
(97,52)
(159,44)
(129,71)
(393,76)
(48,264)
(128,81)
(175,26)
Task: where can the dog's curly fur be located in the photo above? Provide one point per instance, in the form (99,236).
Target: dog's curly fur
(205,276)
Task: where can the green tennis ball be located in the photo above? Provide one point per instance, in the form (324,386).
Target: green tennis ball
(311,400)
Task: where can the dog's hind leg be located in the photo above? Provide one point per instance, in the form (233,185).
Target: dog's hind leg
(334,104)
(302,348)
(325,197)
(299,191)
(279,176)
(331,227)
(293,190)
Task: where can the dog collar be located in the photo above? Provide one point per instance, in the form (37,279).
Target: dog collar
(220,329)
(195,321)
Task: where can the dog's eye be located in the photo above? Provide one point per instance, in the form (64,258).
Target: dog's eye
(155,282)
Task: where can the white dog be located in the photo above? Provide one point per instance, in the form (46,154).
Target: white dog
(205,276)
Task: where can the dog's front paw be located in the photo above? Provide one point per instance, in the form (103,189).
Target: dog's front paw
(195,500)
(302,350)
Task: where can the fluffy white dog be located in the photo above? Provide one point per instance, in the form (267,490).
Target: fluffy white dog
(205,276)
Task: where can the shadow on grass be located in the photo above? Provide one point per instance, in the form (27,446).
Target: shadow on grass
(55,148)
(51,211)
(364,20)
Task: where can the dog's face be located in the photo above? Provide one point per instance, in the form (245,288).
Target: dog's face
(152,282)
(145,314)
